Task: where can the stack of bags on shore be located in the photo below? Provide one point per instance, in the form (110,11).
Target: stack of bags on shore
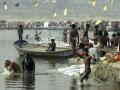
(110,58)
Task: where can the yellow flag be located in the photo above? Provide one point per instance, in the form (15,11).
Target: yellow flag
(93,3)
(98,22)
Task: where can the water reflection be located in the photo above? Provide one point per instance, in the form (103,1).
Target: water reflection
(73,84)
(29,81)
(13,81)
(13,77)
(52,65)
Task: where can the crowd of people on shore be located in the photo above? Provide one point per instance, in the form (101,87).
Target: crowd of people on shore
(81,44)
(33,24)
(88,48)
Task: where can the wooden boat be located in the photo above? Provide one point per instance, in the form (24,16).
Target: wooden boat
(40,50)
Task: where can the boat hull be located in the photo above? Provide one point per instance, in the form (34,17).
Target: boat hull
(41,51)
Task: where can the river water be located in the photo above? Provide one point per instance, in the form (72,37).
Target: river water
(45,78)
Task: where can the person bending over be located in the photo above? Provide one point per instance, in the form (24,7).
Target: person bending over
(13,67)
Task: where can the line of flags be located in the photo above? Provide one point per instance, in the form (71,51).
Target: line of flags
(64,13)
(105,8)
(109,4)
(36,4)
(6,6)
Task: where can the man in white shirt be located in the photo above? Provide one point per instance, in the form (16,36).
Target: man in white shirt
(93,52)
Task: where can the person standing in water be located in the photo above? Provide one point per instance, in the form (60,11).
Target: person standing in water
(87,62)
(28,65)
(20,33)
(74,37)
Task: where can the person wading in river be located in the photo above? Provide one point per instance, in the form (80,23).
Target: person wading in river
(74,37)
(87,62)
(11,66)
(28,65)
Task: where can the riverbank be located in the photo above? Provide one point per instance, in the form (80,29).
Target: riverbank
(105,71)
(108,72)
(39,28)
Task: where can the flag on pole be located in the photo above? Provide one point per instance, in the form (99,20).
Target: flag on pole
(46,24)
(53,1)
(5,5)
(35,3)
(93,3)
(105,8)
(65,11)
(54,14)
(17,5)
(111,2)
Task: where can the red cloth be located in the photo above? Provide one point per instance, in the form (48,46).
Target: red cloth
(117,57)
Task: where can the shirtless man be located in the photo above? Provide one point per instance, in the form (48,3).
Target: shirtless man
(74,37)
(87,62)
(12,66)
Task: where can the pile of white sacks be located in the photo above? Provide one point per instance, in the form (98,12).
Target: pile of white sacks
(73,70)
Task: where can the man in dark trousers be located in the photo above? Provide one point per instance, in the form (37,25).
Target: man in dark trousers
(86,31)
(74,37)
(20,32)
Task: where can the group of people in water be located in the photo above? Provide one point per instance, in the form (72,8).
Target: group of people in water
(28,66)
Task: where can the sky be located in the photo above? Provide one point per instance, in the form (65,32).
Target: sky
(77,9)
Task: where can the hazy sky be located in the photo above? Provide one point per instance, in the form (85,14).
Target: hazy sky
(76,8)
